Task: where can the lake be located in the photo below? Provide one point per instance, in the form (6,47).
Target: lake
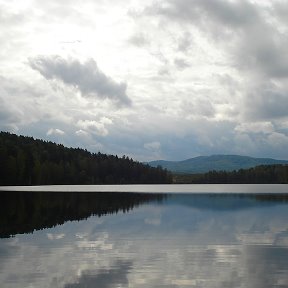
(160,188)
(191,236)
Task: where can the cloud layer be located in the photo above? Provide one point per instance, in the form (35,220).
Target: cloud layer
(204,76)
(86,77)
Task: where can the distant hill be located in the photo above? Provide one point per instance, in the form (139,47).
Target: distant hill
(203,164)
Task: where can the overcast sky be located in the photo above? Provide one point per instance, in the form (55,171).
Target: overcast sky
(165,79)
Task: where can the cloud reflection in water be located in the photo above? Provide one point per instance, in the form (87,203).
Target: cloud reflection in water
(191,241)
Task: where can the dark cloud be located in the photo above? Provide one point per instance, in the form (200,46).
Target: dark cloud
(280,10)
(198,106)
(86,77)
(105,278)
(262,52)
(268,102)
(233,14)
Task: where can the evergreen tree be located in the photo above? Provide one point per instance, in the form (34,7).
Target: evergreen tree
(26,161)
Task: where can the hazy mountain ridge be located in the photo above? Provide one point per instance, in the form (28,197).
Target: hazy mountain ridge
(202,164)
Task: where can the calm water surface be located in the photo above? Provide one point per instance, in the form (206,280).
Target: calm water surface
(144,239)
(160,188)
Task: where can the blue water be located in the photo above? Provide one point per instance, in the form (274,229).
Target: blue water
(178,240)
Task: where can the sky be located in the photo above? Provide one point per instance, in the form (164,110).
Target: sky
(156,79)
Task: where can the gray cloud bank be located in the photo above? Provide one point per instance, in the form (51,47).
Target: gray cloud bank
(86,77)
(252,37)
(205,76)
(245,26)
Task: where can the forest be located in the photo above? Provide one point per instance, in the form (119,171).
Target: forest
(263,174)
(28,161)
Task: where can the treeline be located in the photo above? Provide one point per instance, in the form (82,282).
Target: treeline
(28,161)
(263,174)
(25,212)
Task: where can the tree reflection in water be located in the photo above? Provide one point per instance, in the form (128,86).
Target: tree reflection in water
(24,212)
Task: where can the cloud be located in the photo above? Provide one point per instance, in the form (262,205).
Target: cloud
(86,77)
(206,76)
(256,127)
(19,103)
(185,42)
(278,140)
(152,150)
(95,127)
(56,131)
(11,18)
(280,10)
(181,64)
(266,102)
(243,22)
(231,13)
(139,39)
(52,236)
(152,145)
(81,133)
(256,61)
(199,105)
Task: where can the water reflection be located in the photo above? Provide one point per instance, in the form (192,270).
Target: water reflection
(183,241)
(117,276)
(24,212)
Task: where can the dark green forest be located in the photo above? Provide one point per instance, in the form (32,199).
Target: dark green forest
(28,161)
(263,174)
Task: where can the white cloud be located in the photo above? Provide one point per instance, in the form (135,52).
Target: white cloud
(98,128)
(152,145)
(278,140)
(51,236)
(53,131)
(255,127)
(81,133)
